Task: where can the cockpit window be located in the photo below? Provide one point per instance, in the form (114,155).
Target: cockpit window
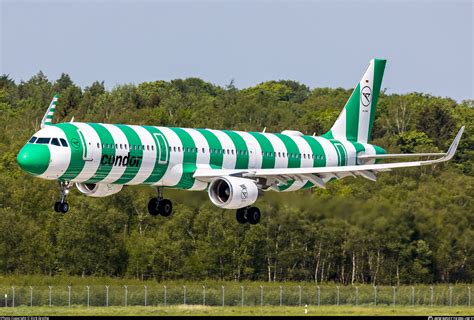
(32,140)
(55,142)
(63,142)
(43,140)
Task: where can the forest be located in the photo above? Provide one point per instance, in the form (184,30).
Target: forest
(411,226)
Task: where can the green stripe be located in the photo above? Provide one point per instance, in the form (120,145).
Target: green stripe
(268,162)
(317,150)
(242,161)
(76,163)
(159,170)
(379,67)
(189,159)
(216,159)
(352,114)
(133,139)
(293,162)
(105,138)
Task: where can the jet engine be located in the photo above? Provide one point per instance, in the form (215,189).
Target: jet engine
(99,189)
(232,192)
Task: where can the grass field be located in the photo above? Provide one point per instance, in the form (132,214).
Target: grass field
(236,311)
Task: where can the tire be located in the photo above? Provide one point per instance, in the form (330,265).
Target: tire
(153,207)
(64,207)
(240,216)
(253,215)
(56,206)
(165,207)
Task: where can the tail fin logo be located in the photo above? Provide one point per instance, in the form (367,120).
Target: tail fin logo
(365,96)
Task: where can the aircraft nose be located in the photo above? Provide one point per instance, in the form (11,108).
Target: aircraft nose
(34,158)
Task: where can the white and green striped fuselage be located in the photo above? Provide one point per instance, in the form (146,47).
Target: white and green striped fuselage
(168,157)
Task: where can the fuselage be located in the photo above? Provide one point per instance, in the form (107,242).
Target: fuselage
(164,156)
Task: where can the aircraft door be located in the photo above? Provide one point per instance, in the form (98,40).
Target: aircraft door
(87,145)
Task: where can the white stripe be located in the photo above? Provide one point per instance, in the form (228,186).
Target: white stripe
(278,146)
(90,167)
(305,149)
(365,111)
(229,160)
(339,128)
(149,156)
(202,158)
(257,156)
(329,151)
(60,156)
(119,138)
(174,171)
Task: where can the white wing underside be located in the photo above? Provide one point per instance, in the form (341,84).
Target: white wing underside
(319,176)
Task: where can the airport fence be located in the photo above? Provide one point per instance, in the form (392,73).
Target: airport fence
(235,295)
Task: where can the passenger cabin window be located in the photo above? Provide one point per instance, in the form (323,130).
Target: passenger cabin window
(55,142)
(32,140)
(43,140)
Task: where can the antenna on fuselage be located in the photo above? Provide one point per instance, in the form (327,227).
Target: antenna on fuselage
(264,129)
(72,119)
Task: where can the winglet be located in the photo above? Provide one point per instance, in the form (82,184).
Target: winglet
(452,148)
(48,116)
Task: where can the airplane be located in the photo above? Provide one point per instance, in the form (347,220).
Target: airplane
(234,167)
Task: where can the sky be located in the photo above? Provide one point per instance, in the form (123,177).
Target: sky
(428,44)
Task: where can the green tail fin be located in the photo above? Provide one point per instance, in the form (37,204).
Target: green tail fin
(48,116)
(356,119)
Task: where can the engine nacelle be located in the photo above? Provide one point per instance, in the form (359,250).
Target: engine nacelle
(99,189)
(232,192)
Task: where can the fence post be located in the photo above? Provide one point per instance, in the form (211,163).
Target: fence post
(223,294)
(375,295)
(165,294)
(31,296)
(299,301)
(6,300)
(337,297)
(242,290)
(469,296)
(50,288)
(281,296)
(357,296)
(203,295)
(261,296)
(394,294)
(88,296)
(319,296)
(146,291)
(13,297)
(184,295)
(431,296)
(450,296)
(126,294)
(413,295)
(106,296)
(68,296)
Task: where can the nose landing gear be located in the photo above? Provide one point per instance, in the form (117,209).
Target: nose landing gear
(160,206)
(62,205)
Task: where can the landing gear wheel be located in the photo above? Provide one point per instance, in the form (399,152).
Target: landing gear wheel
(253,215)
(153,207)
(64,207)
(165,207)
(56,206)
(240,216)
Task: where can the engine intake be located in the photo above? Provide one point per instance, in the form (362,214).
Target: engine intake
(99,189)
(232,192)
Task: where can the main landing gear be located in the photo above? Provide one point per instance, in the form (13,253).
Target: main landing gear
(62,205)
(248,214)
(160,206)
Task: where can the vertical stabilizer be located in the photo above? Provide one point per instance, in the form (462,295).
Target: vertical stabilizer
(48,116)
(356,119)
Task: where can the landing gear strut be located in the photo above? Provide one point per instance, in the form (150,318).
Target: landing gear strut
(160,206)
(62,205)
(248,214)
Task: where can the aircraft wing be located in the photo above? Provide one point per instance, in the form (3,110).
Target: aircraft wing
(320,175)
